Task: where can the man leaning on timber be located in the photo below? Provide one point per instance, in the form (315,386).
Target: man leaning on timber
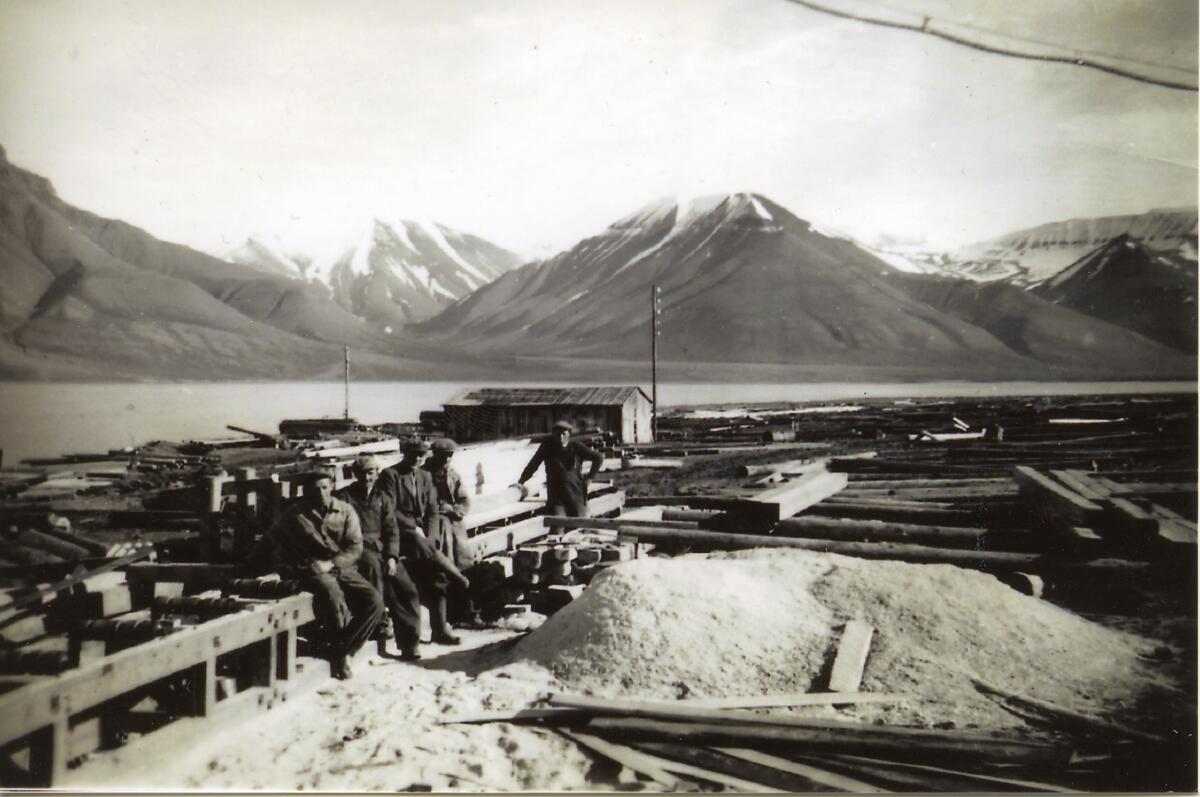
(566,484)
(381,538)
(416,511)
(318,541)
(453,503)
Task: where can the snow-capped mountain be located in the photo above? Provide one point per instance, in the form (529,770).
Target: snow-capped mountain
(391,273)
(743,280)
(1030,256)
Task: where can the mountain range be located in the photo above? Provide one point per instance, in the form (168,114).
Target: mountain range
(390,274)
(747,291)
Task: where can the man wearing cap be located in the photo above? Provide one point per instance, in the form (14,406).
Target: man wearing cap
(566,485)
(318,542)
(416,511)
(376,515)
(453,504)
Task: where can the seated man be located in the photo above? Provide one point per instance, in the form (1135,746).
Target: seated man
(376,513)
(411,490)
(317,541)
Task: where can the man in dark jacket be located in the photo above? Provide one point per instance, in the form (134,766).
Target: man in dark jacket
(416,511)
(318,542)
(453,504)
(566,485)
(377,515)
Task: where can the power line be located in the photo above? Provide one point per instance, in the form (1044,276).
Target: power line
(925,28)
(1042,42)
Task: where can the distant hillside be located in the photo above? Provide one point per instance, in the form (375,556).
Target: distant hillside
(1027,257)
(744,280)
(1124,282)
(388,273)
(90,296)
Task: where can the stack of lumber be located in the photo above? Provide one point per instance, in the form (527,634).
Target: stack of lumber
(737,743)
(143,640)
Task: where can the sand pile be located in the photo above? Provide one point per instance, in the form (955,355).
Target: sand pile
(768,621)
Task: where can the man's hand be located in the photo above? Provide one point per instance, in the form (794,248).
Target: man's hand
(322,566)
(524,490)
(463,581)
(392,564)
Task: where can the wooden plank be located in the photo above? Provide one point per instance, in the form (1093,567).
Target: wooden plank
(795,700)
(786,500)
(612,524)
(1076,719)
(515,715)
(706,772)
(642,763)
(1078,481)
(733,767)
(831,781)
(859,739)
(1024,785)
(39,704)
(606,504)
(508,537)
(851,657)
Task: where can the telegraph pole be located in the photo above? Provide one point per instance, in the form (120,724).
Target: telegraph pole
(346,361)
(654,300)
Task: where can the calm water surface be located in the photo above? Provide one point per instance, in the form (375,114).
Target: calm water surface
(52,419)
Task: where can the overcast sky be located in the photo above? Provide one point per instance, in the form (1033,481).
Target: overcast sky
(537,123)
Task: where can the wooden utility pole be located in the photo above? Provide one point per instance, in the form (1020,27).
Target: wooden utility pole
(346,360)
(654,294)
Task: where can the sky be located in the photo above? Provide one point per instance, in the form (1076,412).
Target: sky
(535,123)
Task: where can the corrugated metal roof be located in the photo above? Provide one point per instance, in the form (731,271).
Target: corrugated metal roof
(546,396)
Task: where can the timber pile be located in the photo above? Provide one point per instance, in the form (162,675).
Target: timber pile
(108,654)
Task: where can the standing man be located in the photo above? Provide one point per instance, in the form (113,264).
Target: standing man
(416,511)
(318,542)
(566,485)
(453,503)
(377,516)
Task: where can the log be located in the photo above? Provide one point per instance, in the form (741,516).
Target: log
(794,466)
(878,530)
(851,657)
(93,547)
(899,514)
(790,701)
(936,493)
(44,542)
(857,739)
(918,554)
(612,524)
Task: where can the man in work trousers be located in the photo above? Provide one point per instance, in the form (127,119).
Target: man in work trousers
(377,516)
(411,489)
(318,542)
(453,503)
(566,485)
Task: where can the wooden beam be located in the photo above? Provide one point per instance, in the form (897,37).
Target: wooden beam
(643,763)
(786,500)
(861,739)
(1075,719)
(1058,502)
(851,657)
(1023,785)
(831,781)
(612,524)
(44,591)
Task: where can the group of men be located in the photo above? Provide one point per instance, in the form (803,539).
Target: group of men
(394,540)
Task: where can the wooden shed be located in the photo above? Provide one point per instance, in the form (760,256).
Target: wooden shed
(492,413)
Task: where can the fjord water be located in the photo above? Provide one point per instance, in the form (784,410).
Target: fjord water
(41,420)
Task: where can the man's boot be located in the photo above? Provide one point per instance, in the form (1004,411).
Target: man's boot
(442,634)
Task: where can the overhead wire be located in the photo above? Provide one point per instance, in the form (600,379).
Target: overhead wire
(1071,60)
